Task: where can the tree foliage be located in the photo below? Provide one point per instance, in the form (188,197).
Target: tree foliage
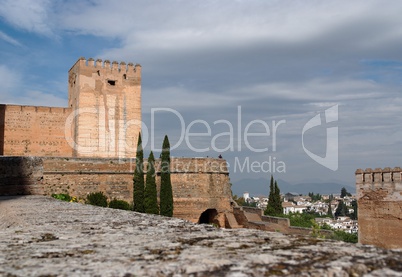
(329,212)
(138,179)
(344,192)
(278,199)
(166,194)
(342,209)
(150,194)
(119,204)
(346,237)
(315,197)
(354,214)
(250,203)
(274,206)
(97,199)
(307,220)
(301,219)
(239,200)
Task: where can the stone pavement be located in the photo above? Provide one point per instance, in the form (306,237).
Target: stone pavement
(41,236)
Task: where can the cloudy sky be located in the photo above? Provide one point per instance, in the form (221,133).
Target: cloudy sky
(246,75)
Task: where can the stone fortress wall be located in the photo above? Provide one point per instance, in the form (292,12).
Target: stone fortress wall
(89,145)
(379,196)
(198,184)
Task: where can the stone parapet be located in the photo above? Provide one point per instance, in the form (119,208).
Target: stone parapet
(45,237)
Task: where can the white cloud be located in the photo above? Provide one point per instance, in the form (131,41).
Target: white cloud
(32,16)
(199,25)
(319,90)
(9,39)
(9,79)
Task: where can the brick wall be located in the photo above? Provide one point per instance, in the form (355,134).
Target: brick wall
(33,131)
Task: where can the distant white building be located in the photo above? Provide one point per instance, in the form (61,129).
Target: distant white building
(343,223)
(290,207)
(246,196)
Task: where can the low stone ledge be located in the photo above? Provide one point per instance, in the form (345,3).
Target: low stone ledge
(43,236)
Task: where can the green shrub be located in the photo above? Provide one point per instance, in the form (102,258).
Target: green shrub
(119,204)
(97,199)
(62,196)
(346,237)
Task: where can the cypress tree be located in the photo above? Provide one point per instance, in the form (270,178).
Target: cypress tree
(138,179)
(271,190)
(277,200)
(343,192)
(270,210)
(329,212)
(341,210)
(166,194)
(150,194)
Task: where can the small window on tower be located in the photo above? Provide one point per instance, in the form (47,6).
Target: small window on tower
(111,82)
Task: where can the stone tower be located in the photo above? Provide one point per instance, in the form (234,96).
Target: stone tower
(106,103)
(379,201)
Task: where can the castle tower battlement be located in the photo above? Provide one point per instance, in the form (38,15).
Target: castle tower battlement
(379,198)
(105,66)
(387,179)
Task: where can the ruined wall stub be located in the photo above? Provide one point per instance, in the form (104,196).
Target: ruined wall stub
(106,100)
(379,197)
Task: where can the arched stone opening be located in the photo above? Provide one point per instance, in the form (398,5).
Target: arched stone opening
(208,216)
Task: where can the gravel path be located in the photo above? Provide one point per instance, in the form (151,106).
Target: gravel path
(41,236)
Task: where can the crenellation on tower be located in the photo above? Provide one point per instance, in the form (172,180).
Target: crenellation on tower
(91,62)
(115,66)
(126,70)
(371,179)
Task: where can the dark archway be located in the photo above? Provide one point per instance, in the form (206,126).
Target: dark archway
(208,217)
